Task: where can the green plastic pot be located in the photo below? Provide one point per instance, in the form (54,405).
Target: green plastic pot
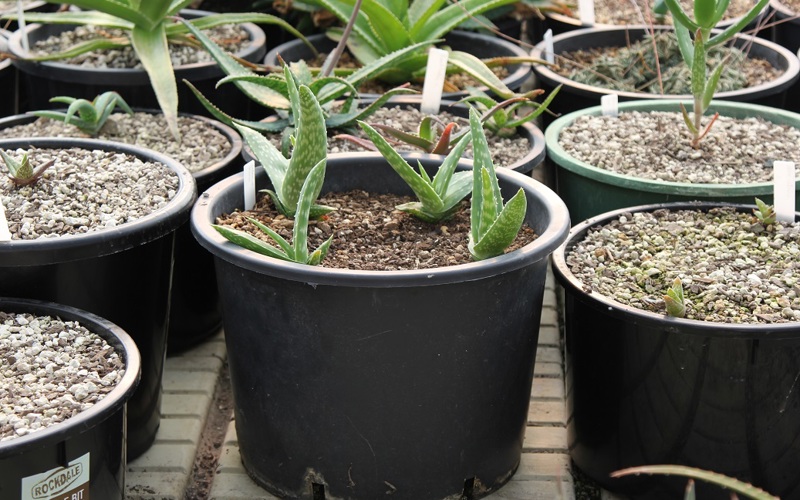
(588,191)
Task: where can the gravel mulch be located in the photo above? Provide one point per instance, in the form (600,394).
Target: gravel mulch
(50,370)
(733,269)
(656,145)
(232,38)
(621,12)
(792,5)
(84,191)
(12,6)
(371,235)
(201,144)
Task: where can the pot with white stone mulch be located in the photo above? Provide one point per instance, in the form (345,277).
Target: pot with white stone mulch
(98,71)
(67,375)
(211,151)
(715,389)
(96,232)
(644,156)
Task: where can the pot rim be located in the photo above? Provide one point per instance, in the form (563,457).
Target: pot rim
(258,39)
(109,240)
(783,81)
(557,153)
(101,410)
(575,286)
(783,12)
(545,243)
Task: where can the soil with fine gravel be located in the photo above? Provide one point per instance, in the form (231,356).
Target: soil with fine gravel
(51,370)
(733,267)
(201,146)
(620,12)
(370,234)
(83,191)
(657,145)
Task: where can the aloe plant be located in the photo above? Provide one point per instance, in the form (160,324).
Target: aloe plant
(88,116)
(384,27)
(437,198)
(765,213)
(297,250)
(493,224)
(150,26)
(732,484)
(271,91)
(22,172)
(695,40)
(310,147)
(674,300)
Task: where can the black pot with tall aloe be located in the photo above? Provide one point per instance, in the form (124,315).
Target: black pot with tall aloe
(347,383)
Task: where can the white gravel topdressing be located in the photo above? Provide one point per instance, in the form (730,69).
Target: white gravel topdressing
(84,191)
(50,370)
(656,145)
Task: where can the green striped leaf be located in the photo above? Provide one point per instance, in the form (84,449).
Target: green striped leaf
(502,232)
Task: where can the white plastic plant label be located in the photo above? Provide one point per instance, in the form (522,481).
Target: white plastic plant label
(586,11)
(62,483)
(5,234)
(784,190)
(549,51)
(249,185)
(434,81)
(609,105)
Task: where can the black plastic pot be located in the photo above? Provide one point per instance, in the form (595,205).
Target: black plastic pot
(363,383)
(650,389)
(122,274)
(86,451)
(195,312)
(54,78)
(481,46)
(786,28)
(575,96)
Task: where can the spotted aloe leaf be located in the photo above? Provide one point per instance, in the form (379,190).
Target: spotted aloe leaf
(493,225)
(437,198)
(297,250)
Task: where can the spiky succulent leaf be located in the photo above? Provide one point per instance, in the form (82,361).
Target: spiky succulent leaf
(711,86)
(263,127)
(424,191)
(502,231)
(273,162)
(732,484)
(311,138)
(19,170)
(284,245)
(739,25)
(153,52)
(250,242)
(445,174)
(765,213)
(308,193)
(478,70)
(674,300)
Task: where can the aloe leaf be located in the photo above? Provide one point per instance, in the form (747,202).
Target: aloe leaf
(425,192)
(442,146)
(213,20)
(386,25)
(250,242)
(735,485)
(704,13)
(458,188)
(308,193)
(719,11)
(739,25)
(83,48)
(280,240)
(685,44)
(311,145)
(153,52)
(699,66)
(711,85)
(16,168)
(406,137)
(263,127)
(264,96)
(688,121)
(174,7)
(340,85)
(447,18)
(346,119)
(421,10)
(540,108)
(482,157)
(275,88)
(91,17)
(273,162)
(680,16)
(474,67)
(503,230)
(445,174)
(317,255)
(361,28)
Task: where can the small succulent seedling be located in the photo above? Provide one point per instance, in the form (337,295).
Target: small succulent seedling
(310,148)
(297,251)
(88,116)
(707,14)
(437,198)
(764,213)
(493,224)
(733,485)
(21,172)
(674,300)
